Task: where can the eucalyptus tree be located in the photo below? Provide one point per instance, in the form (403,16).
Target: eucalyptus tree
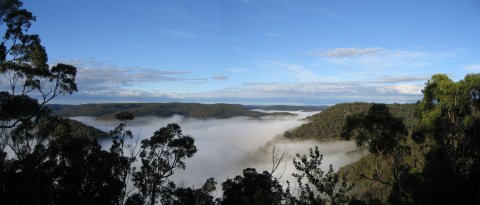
(29,82)
(160,156)
(385,136)
(449,115)
(315,186)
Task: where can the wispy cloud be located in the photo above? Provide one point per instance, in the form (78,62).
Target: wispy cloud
(473,67)
(271,34)
(219,77)
(399,79)
(183,15)
(300,72)
(98,78)
(179,33)
(346,52)
(238,70)
(376,57)
(407,89)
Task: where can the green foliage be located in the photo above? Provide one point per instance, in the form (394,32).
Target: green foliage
(386,138)
(367,189)
(252,188)
(328,124)
(449,113)
(81,130)
(320,187)
(382,169)
(125,115)
(440,162)
(59,169)
(378,129)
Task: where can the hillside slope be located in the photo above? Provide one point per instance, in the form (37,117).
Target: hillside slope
(82,130)
(328,123)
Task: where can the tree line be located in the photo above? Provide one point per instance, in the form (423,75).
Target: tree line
(194,110)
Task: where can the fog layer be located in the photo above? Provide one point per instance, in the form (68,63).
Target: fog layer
(227,146)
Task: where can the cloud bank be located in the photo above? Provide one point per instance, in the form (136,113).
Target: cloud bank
(372,74)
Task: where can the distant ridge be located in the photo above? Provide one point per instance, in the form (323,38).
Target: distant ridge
(195,110)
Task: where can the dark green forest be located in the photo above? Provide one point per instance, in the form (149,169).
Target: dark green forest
(195,110)
(327,124)
(423,153)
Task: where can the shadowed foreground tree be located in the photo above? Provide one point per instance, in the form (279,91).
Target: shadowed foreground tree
(29,83)
(252,188)
(40,161)
(123,168)
(316,186)
(385,136)
(378,129)
(160,156)
(450,119)
(182,196)
(448,131)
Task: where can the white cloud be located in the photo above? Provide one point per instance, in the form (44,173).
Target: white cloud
(219,77)
(238,70)
(313,90)
(399,79)
(283,92)
(474,67)
(346,52)
(120,84)
(97,78)
(404,89)
(376,57)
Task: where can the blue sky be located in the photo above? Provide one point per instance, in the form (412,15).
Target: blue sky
(258,51)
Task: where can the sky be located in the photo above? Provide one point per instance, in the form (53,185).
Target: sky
(305,52)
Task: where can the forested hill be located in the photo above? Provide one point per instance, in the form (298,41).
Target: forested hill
(196,110)
(81,130)
(328,123)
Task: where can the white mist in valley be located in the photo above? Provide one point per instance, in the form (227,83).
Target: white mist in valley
(227,146)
